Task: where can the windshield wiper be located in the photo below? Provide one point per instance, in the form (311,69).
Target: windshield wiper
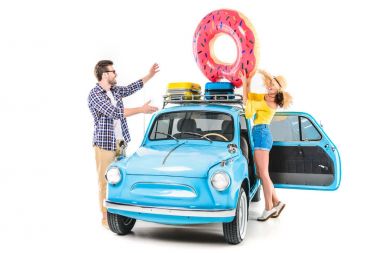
(197,134)
(167,135)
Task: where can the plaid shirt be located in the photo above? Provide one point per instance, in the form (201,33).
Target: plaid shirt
(104,113)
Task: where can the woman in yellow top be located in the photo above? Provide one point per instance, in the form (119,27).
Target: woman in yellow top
(263,107)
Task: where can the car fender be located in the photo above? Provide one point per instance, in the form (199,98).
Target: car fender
(237,169)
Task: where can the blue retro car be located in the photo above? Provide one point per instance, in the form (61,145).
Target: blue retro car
(195,165)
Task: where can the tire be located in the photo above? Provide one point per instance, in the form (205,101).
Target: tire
(234,231)
(119,224)
(257,197)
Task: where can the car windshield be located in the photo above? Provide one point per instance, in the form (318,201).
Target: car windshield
(197,125)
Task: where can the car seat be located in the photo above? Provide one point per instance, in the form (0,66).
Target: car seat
(186,125)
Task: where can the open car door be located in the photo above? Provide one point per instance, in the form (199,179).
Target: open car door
(302,156)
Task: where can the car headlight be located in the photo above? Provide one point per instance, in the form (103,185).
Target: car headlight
(113,175)
(220,181)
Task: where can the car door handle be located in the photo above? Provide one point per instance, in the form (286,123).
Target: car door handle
(300,151)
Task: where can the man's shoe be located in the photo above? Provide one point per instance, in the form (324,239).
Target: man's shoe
(279,207)
(267,214)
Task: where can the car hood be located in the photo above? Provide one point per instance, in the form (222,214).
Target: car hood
(180,159)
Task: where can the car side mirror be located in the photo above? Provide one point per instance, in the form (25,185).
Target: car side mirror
(123,150)
(232,148)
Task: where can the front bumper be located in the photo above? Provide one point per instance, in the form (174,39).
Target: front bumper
(170,215)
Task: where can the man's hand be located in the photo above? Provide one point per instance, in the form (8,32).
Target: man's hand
(152,71)
(147,109)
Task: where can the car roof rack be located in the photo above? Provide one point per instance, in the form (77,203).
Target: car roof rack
(234,99)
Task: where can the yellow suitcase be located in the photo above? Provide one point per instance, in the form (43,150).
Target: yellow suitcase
(184,90)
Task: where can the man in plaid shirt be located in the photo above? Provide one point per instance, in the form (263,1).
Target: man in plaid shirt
(111,128)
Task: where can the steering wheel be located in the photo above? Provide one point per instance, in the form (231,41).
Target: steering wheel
(215,134)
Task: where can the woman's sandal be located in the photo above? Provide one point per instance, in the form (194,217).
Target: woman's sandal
(279,207)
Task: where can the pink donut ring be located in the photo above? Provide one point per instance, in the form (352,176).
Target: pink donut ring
(234,24)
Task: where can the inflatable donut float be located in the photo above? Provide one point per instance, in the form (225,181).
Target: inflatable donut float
(237,26)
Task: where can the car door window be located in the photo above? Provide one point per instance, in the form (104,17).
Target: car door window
(243,123)
(308,131)
(285,128)
(293,128)
(161,128)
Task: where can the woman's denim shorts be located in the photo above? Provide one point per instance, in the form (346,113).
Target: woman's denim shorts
(262,137)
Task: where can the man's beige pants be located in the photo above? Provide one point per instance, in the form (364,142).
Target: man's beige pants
(103,159)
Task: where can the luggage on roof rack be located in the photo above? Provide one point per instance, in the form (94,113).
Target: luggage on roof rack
(223,90)
(201,99)
(183,90)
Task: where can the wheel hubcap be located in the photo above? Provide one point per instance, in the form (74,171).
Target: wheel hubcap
(243,212)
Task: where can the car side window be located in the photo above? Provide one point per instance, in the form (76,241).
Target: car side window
(175,126)
(285,128)
(160,129)
(293,128)
(309,132)
(243,123)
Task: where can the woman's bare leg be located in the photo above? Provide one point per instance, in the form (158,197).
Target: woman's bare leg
(261,158)
(275,199)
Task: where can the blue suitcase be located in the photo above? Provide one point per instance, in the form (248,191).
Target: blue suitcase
(217,90)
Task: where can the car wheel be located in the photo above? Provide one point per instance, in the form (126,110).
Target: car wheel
(119,224)
(234,231)
(257,198)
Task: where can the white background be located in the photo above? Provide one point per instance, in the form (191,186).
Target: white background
(327,50)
